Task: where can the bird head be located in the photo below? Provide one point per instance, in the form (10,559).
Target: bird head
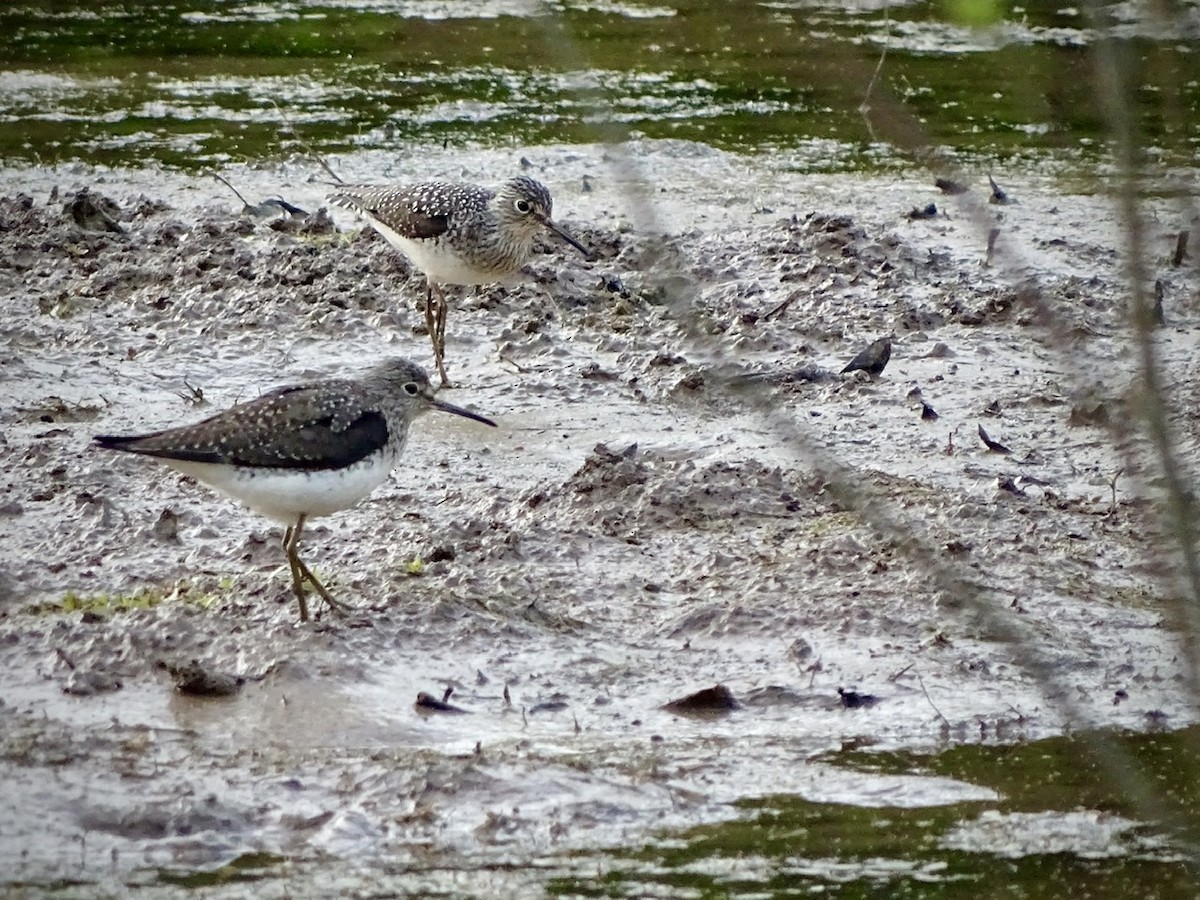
(526,204)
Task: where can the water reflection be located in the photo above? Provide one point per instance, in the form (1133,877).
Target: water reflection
(132,83)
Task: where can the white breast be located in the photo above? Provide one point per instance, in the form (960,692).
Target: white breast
(285,494)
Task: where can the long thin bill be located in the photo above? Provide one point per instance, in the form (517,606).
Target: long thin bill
(557,229)
(459,411)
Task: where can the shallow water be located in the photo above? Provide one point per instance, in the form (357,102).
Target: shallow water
(208,83)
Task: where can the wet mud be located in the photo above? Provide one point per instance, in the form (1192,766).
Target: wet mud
(687,497)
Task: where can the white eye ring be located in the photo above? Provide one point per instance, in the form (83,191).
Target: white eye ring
(411,389)
(523,206)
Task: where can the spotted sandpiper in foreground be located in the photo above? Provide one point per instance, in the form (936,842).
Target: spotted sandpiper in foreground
(457,234)
(301,451)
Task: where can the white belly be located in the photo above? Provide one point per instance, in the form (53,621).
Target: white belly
(286,494)
(439,263)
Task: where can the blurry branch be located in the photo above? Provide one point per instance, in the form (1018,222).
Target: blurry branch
(952,582)
(1113,71)
(606,130)
(1178,509)
(1116,90)
(864,108)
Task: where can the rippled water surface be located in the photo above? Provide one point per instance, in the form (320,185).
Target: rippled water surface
(205,82)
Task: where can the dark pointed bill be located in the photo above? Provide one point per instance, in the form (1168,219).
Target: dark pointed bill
(557,229)
(459,411)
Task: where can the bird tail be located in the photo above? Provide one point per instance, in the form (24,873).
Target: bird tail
(130,443)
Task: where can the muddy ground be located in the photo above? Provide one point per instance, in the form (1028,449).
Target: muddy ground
(644,523)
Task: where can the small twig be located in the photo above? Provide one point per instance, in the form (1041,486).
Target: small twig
(312,154)
(1181,243)
(929,699)
(993,234)
(865,106)
(1112,486)
(232,188)
(512,362)
(780,308)
(193,395)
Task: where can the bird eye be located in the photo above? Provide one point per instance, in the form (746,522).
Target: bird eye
(411,389)
(523,206)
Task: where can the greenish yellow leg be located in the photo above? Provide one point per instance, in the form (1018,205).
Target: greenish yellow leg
(302,573)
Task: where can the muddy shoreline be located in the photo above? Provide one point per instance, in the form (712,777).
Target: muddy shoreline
(646,522)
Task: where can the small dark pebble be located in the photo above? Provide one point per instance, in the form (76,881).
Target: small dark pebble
(714,701)
(593,371)
(666,358)
(429,703)
(613,285)
(950,186)
(195,679)
(548,706)
(994,446)
(872,359)
(166,529)
(855,700)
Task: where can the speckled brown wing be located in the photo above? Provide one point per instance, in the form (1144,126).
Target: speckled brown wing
(415,211)
(305,427)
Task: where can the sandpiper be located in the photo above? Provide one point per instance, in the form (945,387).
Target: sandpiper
(457,234)
(301,451)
